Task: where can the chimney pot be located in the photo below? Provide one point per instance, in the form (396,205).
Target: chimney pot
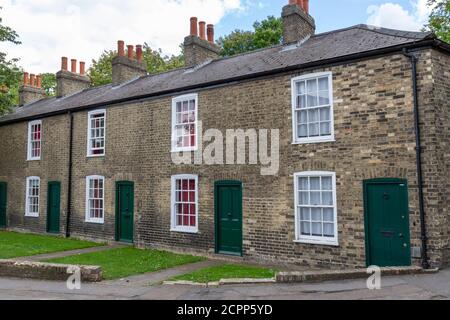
(32,80)
(194,27)
(64,64)
(139,52)
(202,25)
(73,68)
(82,68)
(294,2)
(26,79)
(306,5)
(210,32)
(121,48)
(38,81)
(130,52)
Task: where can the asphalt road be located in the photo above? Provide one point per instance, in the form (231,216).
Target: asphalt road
(423,287)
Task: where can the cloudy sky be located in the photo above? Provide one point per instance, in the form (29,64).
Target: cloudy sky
(82,29)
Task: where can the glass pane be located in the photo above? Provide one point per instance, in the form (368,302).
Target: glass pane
(325,114)
(325,128)
(185,106)
(301,87)
(328,230)
(303,184)
(302,117)
(313,115)
(327,198)
(315,198)
(303,198)
(305,214)
(316,229)
(315,183)
(328,215)
(301,101)
(314,130)
(192,105)
(312,86)
(305,228)
(303,131)
(316,214)
(327,183)
(323,83)
(323,98)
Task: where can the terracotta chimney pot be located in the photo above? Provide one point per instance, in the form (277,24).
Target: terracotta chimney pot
(202,25)
(194,26)
(64,63)
(121,48)
(130,51)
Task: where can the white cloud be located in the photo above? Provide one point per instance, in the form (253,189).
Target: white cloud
(393,15)
(82,29)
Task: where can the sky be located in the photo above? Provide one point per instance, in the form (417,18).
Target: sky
(83,29)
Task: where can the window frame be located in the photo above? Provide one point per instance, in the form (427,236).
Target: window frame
(306,77)
(299,238)
(174,147)
(173,218)
(27,195)
(89,136)
(29,141)
(88,219)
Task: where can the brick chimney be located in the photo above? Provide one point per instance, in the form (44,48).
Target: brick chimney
(199,46)
(31,90)
(126,68)
(297,23)
(70,82)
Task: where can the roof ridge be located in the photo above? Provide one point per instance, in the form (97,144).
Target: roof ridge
(390,32)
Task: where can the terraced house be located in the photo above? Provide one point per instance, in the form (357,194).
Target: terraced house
(363,116)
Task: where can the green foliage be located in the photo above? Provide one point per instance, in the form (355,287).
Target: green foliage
(440,19)
(101,69)
(124,262)
(266,33)
(227,271)
(14,245)
(9,72)
(49,84)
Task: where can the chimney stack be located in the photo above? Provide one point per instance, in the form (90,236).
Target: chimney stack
(70,82)
(31,90)
(126,68)
(298,25)
(199,46)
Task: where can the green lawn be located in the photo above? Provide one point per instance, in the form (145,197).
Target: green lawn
(227,271)
(13,245)
(123,262)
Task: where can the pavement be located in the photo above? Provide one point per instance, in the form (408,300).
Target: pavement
(416,287)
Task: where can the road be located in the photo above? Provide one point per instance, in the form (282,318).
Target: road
(423,287)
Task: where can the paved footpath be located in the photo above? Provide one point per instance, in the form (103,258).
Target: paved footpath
(423,287)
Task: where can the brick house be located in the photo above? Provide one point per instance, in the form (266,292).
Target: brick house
(363,117)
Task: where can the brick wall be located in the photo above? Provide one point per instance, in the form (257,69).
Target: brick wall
(374,130)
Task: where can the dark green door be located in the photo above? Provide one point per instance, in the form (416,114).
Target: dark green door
(124,211)
(228,206)
(53,207)
(3,194)
(387,223)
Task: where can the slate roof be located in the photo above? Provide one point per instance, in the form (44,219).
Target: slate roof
(321,47)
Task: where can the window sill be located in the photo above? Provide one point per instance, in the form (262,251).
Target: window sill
(34,159)
(333,243)
(185,230)
(95,156)
(312,141)
(184,150)
(31,215)
(95,221)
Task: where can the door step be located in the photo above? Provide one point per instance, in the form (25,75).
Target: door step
(333,275)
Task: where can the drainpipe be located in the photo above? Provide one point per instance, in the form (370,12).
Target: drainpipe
(69,179)
(423,227)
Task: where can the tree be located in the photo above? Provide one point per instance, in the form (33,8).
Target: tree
(10,74)
(49,84)
(101,69)
(440,19)
(266,33)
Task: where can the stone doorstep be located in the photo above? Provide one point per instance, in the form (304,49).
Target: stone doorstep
(47,271)
(222,282)
(333,275)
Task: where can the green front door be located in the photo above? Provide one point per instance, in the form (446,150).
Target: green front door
(3,194)
(228,206)
(387,223)
(124,211)
(53,207)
